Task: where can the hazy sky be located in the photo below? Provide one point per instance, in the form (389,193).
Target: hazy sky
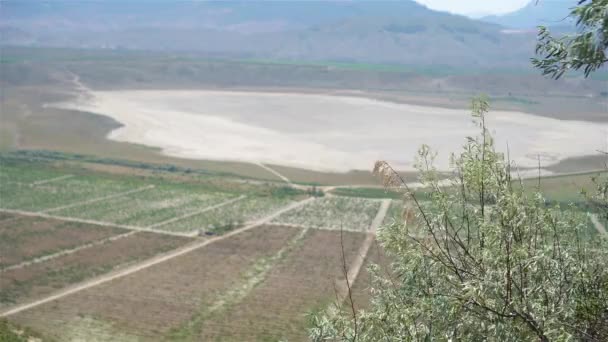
(475,6)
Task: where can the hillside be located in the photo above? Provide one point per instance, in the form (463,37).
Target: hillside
(363,31)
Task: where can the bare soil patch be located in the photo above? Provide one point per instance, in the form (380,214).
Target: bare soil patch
(38,280)
(24,238)
(303,282)
(151,302)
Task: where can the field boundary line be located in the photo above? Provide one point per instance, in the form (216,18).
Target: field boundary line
(92,222)
(194,213)
(598,225)
(149,263)
(50,180)
(99,199)
(275,172)
(357,264)
(67,251)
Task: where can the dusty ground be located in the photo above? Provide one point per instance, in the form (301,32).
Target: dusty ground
(322,132)
(150,302)
(38,280)
(303,282)
(25,238)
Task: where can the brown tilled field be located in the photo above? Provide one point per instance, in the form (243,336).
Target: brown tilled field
(153,301)
(303,282)
(37,280)
(25,238)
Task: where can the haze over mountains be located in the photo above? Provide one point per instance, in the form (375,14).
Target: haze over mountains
(552,13)
(401,32)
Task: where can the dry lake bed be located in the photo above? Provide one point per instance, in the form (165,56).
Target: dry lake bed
(324,132)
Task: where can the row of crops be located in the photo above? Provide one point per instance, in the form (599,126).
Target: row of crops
(130,200)
(230,216)
(147,207)
(168,206)
(347,213)
(26,195)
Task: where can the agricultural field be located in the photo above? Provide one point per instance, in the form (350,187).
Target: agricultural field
(176,292)
(364,192)
(148,207)
(182,204)
(228,217)
(19,285)
(304,282)
(14,174)
(23,239)
(564,189)
(82,224)
(347,213)
(39,189)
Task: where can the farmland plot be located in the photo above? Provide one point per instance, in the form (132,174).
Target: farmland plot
(147,207)
(25,196)
(153,301)
(348,213)
(26,175)
(217,220)
(37,280)
(27,238)
(303,282)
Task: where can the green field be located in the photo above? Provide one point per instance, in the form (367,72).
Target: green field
(334,213)
(204,201)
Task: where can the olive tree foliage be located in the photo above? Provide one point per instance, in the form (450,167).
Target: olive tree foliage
(586,49)
(483,258)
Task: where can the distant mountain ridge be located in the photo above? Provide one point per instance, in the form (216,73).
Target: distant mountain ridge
(552,13)
(402,32)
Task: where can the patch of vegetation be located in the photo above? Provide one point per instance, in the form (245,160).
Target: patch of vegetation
(85,328)
(285,191)
(348,213)
(45,155)
(366,193)
(228,217)
(11,332)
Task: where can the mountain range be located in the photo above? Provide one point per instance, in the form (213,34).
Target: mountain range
(552,13)
(401,32)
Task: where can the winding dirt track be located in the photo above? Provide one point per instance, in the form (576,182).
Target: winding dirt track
(148,263)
